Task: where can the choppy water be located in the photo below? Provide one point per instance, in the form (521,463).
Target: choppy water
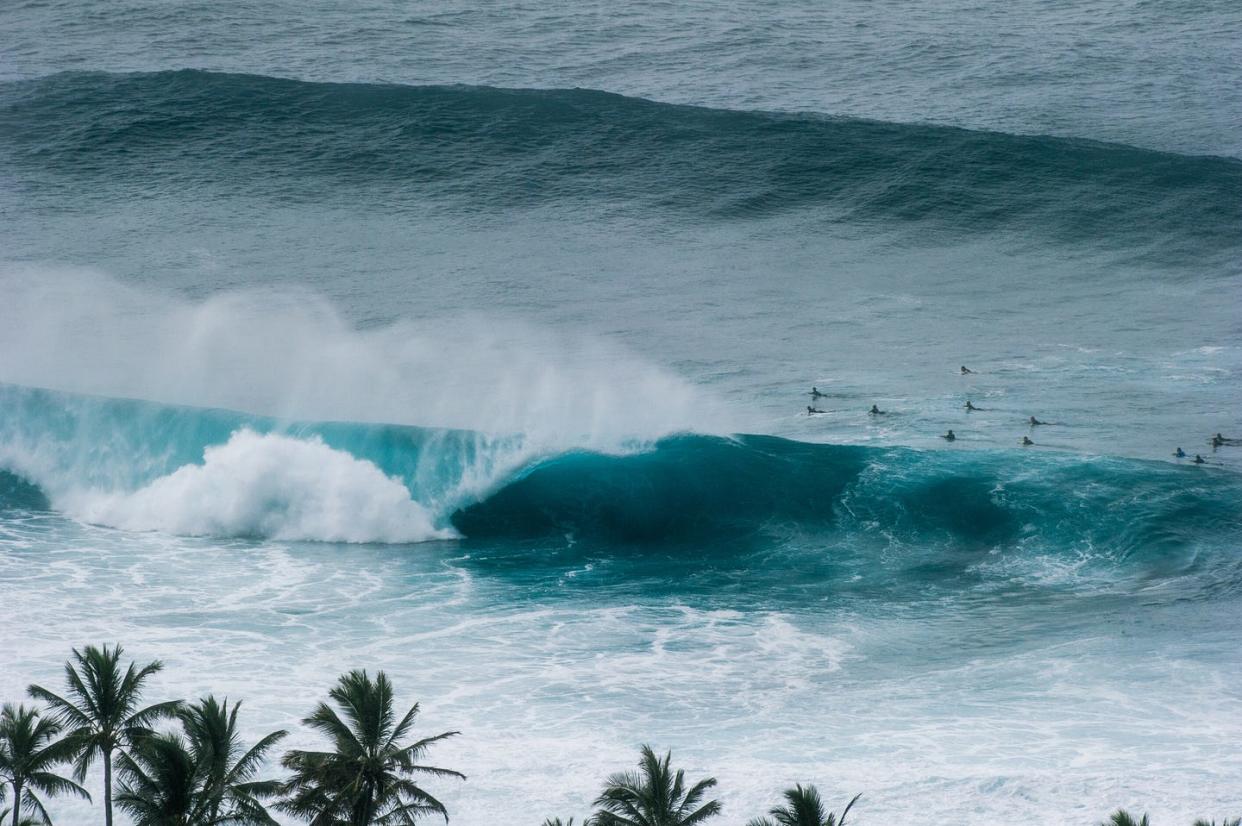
(472,343)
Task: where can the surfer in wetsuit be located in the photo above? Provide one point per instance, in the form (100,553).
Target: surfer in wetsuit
(949,437)
(1199,460)
(1219,441)
(966,370)
(1179,453)
(875,411)
(1026,441)
(815,394)
(970,408)
(1034,421)
(810,411)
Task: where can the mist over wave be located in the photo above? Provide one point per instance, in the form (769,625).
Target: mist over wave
(490,394)
(289,353)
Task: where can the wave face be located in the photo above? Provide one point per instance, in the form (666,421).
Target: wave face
(692,487)
(143,466)
(493,149)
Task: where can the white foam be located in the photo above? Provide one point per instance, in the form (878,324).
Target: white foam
(270,486)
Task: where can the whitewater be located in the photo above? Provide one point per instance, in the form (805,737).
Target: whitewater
(476,344)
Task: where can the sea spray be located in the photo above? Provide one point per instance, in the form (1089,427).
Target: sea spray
(289,353)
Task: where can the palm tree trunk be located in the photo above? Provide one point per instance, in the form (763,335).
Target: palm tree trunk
(17,803)
(107,761)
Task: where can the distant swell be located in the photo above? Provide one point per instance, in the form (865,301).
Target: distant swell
(144,466)
(485,148)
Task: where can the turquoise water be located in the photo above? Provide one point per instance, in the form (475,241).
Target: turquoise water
(475,344)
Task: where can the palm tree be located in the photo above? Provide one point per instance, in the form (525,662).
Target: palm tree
(367,778)
(101,714)
(803,808)
(159,782)
(1123,818)
(654,796)
(28,753)
(25,821)
(199,779)
(226,772)
(1237,821)
(556,821)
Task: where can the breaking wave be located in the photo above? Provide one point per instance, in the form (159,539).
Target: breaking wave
(145,466)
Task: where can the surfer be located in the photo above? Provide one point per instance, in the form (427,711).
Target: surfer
(815,394)
(970,408)
(811,411)
(1034,421)
(1199,460)
(1219,441)
(1179,453)
(949,437)
(1026,441)
(966,370)
(875,411)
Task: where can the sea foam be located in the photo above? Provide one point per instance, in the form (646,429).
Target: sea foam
(268,485)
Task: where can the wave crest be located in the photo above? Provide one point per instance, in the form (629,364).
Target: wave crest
(140,465)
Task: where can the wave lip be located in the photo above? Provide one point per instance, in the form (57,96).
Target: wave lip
(489,148)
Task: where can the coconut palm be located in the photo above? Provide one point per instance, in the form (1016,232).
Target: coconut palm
(654,796)
(556,821)
(367,778)
(200,777)
(159,782)
(1237,821)
(5,817)
(803,807)
(28,754)
(226,770)
(100,712)
(1123,818)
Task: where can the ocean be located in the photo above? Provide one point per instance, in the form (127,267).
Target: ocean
(475,343)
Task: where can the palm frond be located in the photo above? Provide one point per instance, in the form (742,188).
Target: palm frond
(654,796)
(1123,818)
(368,773)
